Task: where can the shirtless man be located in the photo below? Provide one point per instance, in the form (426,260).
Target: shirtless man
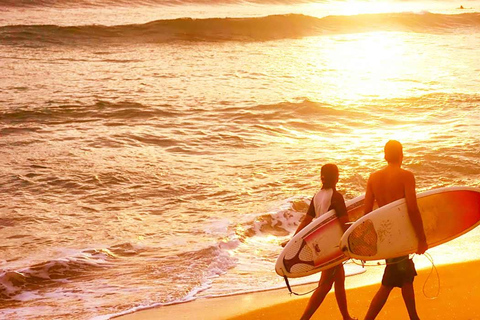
(385,186)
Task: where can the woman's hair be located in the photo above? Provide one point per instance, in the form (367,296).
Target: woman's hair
(329,175)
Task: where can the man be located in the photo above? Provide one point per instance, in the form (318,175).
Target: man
(385,186)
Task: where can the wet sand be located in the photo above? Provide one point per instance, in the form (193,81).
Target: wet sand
(458,296)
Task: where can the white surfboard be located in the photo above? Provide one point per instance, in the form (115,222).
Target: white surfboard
(387,232)
(316,247)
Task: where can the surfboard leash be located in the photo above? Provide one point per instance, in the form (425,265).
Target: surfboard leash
(377,264)
(363,263)
(296,293)
(308,292)
(434,267)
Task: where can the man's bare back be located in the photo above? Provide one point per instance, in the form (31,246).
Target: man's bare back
(390,184)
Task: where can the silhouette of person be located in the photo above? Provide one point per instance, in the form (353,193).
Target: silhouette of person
(385,186)
(326,199)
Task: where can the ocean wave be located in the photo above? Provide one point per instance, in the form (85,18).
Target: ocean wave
(128,3)
(272,117)
(267,28)
(66,113)
(279,222)
(300,109)
(52,272)
(74,265)
(301,114)
(194,271)
(289,118)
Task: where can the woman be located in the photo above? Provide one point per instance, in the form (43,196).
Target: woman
(326,199)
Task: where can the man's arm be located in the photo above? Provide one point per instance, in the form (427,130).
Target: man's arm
(414,213)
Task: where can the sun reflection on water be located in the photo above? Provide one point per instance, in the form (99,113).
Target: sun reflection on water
(352,7)
(373,64)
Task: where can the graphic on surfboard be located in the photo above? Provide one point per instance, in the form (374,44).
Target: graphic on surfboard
(316,247)
(387,232)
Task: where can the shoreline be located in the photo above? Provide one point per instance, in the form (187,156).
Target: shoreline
(458,285)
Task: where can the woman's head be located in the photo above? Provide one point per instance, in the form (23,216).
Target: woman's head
(329,175)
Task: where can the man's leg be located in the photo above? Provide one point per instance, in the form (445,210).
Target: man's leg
(408,294)
(378,302)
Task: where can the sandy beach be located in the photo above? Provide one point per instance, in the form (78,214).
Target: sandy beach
(451,295)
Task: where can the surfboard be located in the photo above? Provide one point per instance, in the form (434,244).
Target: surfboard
(316,247)
(387,232)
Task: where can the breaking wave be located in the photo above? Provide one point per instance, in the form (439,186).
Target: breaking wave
(267,28)
(105,3)
(53,272)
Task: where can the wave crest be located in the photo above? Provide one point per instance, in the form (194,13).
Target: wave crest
(101,110)
(124,3)
(280,222)
(267,28)
(52,272)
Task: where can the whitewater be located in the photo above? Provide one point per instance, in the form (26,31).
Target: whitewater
(156,153)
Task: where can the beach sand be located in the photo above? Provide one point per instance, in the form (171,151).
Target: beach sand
(458,298)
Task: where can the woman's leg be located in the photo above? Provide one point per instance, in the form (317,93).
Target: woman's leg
(340,293)
(324,286)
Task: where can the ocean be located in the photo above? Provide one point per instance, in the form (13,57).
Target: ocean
(158,152)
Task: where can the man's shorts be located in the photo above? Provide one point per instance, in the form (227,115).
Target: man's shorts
(399,271)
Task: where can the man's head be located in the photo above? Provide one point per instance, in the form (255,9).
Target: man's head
(393,152)
(329,175)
